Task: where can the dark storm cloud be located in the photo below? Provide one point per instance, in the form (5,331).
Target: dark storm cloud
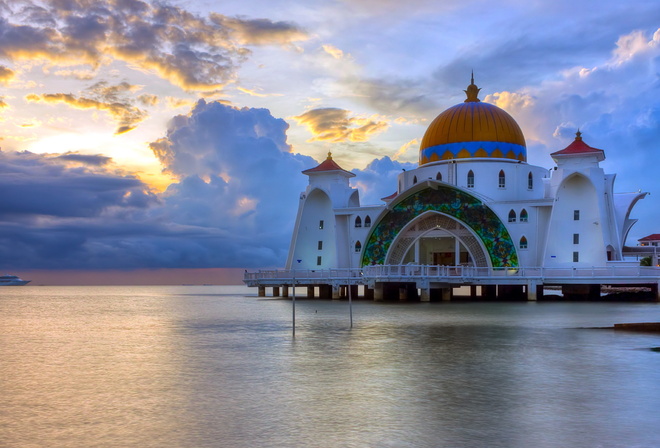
(234,203)
(34,186)
(86,159)
(251,181)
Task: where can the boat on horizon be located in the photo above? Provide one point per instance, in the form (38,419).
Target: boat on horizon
(12,280)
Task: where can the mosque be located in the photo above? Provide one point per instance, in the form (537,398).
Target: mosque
(473,213)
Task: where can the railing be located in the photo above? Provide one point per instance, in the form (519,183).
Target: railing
(413,272)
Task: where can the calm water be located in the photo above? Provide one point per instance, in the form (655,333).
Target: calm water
(209,367)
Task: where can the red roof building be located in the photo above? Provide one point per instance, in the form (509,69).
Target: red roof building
(651,240)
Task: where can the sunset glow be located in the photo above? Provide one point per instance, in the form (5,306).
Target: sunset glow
(143,134)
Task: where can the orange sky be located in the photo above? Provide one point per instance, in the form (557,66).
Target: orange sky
(219,276)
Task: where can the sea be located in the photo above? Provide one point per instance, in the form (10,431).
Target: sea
(217,366)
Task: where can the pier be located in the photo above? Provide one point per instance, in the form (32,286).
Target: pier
(437,283)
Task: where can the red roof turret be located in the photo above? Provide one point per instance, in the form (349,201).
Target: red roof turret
(578,148)
(328,165)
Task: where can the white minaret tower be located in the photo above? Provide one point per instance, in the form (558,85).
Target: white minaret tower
(319,236)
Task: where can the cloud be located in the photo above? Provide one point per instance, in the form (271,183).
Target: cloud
(85,159)
(379,179)
(231,164)
(335,125)
(194,52)
(261,31)
(408,152)
(35,187)
(233,203)
(6,74)
(102,96)
(333,51)
(147,99)
(257,94)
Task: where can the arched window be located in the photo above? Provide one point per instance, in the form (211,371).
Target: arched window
(438,176)
(523,215)
(523,243)
(358,246)
(358,222)
(367,221)
(530,181)
(414,180)
(502,179)
(470,179)
(512,216)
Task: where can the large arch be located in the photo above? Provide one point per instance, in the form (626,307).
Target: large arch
(431,223)
(463,207)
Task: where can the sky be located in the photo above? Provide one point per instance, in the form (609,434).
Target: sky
(150,136)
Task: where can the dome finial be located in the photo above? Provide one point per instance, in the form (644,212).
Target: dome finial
(472,91)
(578,135)
(329,155)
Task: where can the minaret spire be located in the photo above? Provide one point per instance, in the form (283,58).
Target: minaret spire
(472,91)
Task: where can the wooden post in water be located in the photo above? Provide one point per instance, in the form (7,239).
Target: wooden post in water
(350,300)
(293,307)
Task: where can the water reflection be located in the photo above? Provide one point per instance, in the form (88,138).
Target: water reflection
(204,367)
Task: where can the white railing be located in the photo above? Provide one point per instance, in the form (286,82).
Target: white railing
(455,272)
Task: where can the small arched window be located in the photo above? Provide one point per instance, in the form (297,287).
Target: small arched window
(512,216)
(358,222)
(414,180)
(502,179)
(470,179)
(438,176)
(523,243)
(358,246)
(523,215)
(367,221)
(530,181)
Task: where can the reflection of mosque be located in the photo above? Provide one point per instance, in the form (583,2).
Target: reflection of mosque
(473,204)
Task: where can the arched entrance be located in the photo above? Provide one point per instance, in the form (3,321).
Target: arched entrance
(438,239)
(453,210)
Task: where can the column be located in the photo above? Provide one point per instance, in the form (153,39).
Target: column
(403,293)
(276,291)
(531,290)
(446,294)
(285,290)
(310,292)
(262,291)
(378,292)
(336,292)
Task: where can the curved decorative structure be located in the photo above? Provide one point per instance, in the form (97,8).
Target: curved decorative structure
(467,209)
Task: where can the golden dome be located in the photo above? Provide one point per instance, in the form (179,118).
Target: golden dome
(472,130)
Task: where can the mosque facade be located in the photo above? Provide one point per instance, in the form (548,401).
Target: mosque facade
(472,203)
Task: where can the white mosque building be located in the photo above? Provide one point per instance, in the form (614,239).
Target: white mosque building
(473,213)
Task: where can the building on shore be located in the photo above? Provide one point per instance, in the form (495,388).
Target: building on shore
(473,213)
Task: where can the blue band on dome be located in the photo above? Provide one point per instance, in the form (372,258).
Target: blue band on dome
(469,150)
